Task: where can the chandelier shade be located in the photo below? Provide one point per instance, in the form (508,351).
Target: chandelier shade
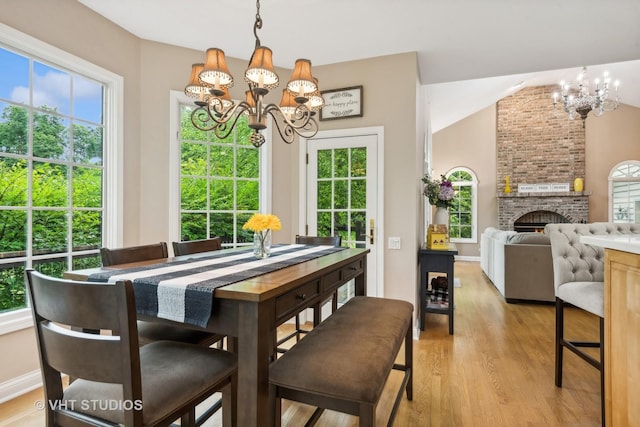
(260,72)
(215,71)
(301,82)
(578,99)
(195,88)
(210,81)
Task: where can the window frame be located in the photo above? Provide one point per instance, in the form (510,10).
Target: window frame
(177,98)
(113,134)
(474,202)
(613,179)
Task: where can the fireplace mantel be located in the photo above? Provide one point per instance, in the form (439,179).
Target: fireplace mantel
(546,195)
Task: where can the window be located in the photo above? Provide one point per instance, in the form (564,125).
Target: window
(55,142)
(624,192)
(463,213)
(220,186)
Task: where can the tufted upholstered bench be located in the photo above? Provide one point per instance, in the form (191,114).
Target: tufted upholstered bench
(578,275)
(344,362)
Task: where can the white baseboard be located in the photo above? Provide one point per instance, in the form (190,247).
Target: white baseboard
(20,385)
(467,258)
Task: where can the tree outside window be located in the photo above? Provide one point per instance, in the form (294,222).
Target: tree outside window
(51,172)
(219,182)
(463,212)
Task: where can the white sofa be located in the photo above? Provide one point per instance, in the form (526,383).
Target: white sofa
(492,243)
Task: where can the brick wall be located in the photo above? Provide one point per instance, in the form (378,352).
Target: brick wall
(537,144)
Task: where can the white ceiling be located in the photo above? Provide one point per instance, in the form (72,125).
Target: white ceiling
(470,52)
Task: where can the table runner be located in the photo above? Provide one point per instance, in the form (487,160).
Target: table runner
(182,290)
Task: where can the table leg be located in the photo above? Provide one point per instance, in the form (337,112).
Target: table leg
(256,327)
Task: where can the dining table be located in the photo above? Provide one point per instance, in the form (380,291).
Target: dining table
(233,293)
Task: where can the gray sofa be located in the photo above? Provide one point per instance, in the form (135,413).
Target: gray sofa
(518,264)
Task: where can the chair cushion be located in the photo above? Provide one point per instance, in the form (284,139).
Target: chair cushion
(172,374)
(350,354)
(149,332)
(588,296)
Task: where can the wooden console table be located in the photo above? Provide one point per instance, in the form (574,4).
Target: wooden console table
(440,261)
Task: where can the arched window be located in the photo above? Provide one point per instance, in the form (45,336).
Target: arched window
(624,192)
(463,215)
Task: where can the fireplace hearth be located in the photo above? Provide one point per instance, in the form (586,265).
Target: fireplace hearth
(532,211)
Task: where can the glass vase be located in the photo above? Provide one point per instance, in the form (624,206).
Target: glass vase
(262,244)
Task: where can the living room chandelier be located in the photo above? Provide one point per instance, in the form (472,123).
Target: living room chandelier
(578,99)
(210,82)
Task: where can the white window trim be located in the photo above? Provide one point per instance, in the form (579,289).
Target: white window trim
(175,99)
(474,204)
(114,135)
(612,179)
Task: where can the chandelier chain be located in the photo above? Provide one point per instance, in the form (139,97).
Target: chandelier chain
(258,23)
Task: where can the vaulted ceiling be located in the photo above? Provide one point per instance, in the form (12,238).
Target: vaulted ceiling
(470,52)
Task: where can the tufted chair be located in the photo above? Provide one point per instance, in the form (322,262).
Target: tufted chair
(578,273)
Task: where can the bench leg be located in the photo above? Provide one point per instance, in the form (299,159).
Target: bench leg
(408,361)
(275,407)
(367,415)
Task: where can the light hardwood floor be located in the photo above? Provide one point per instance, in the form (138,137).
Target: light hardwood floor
(496,370)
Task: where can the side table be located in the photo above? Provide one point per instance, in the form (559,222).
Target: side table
(440,261)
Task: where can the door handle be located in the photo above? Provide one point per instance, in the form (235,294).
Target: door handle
(371,224)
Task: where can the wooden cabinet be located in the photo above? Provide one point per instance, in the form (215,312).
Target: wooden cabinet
(622,338)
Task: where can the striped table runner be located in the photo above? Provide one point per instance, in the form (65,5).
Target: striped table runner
(182,290)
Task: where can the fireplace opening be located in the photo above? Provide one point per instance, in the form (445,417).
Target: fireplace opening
(535,221)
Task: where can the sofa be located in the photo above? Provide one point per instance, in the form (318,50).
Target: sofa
(518,264)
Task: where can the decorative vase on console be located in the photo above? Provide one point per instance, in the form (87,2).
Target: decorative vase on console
(441,216)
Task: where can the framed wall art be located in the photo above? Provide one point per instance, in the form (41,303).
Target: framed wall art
(341,103)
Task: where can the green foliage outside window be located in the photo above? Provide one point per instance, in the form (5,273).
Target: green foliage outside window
(50,182)
(219,182)
(461,211)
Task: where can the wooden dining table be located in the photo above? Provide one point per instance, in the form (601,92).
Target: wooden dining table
(250,310)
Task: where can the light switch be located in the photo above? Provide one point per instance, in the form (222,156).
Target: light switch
(394,243)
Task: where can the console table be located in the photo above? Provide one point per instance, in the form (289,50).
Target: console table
(440,261)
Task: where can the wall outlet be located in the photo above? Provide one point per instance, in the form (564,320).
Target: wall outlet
(394,243)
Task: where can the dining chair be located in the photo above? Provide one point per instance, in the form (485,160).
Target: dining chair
(133,254)
(578,276)
(117,382)
(197,246)
(149,332)
(335,241)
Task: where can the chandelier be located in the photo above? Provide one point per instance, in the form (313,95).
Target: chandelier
(210,82)
(578,99)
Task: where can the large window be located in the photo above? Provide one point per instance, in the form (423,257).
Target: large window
(624,192)
(52,162)
(463,213)
(219,182)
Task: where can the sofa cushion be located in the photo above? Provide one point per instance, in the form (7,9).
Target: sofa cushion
(529,239)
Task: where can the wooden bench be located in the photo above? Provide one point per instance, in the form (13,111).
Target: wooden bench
(344,362)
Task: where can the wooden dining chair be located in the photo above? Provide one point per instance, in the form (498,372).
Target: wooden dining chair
(152,331)
(335,241)
(116,382)
(134,254)
(197,246)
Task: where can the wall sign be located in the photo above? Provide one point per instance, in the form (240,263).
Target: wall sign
(341,103)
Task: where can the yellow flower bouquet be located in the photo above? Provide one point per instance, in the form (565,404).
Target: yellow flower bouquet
(262,225)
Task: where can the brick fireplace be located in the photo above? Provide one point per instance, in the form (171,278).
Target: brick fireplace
(538,145)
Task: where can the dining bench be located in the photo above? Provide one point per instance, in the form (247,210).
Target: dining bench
(343,363)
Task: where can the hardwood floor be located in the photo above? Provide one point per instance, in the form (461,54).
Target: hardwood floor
(497,370)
